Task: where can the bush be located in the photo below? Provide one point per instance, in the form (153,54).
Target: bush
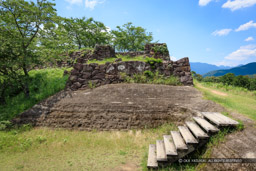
(228,78)
(160,49)
(5,125)
(252,84)
(149,74)
(153,61)
(241,81)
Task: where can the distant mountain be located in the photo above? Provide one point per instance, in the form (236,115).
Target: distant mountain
(248,69)
(203,68)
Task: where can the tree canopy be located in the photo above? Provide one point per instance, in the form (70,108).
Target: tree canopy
(32,34)
(130,38)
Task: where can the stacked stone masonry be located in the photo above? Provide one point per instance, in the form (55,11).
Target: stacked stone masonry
(85,75)
(149,51)
(101,52)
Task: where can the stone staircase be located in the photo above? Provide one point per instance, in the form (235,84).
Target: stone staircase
(191,136)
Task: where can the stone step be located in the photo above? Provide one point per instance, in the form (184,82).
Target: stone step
(209,128)
(227,119)
(178,141)
(187,135)
(197,131)
(169,146)
(152,161)
(219,119)
(160,151)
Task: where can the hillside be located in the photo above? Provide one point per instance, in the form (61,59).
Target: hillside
(203,68)
(248,69)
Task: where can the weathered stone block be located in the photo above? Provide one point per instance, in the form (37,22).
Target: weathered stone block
(73,78)
(74,72)
(100,76)
(93,65)
(87,68)
(78,66)
(86,75)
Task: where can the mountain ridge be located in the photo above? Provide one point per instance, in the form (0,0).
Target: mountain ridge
(203,68)
(248,69)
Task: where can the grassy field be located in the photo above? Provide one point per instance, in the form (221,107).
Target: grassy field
(241,101)
(46,149)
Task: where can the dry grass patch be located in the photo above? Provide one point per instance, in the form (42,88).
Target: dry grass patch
(46,149)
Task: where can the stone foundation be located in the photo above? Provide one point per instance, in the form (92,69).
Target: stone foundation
(85,75)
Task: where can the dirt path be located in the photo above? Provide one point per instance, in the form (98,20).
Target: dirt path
(213,91)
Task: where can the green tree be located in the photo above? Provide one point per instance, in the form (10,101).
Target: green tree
(54,41)
(242,81)
(20,23)
(130,38)
(252,84)
(85,32)
(227,79)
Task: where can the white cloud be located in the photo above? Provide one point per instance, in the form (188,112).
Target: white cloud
(243,53)
(204,2)
(237,4)
(74,1)
(246,26)
(227,63)
(173,58)
(92,3)
(249,39)
(222,32)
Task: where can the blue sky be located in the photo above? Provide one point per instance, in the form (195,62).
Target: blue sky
(221,32)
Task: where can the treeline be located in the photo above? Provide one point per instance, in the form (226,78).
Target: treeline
(248,82)
(31,34)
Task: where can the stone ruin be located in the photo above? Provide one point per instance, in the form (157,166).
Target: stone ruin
(72,110)
(85,75)
(149,51)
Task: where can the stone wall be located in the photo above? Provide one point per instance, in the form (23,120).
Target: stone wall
(85,75)
(106,51)
(131,54)
(99,52)
(151,53)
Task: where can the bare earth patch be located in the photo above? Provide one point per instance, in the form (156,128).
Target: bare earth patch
(214,91)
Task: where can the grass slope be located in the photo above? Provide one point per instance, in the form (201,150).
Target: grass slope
(44,83)
(240,101)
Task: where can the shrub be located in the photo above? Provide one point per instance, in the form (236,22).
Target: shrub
(160,49)
(252,84)
(148,74)
(241,81)
(5,125)
(228,78)
(153,61)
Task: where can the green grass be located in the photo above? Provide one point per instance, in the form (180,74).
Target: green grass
(241,102)
(46,149)
(124,58)
(149,77)
(44,83)
(230,88)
